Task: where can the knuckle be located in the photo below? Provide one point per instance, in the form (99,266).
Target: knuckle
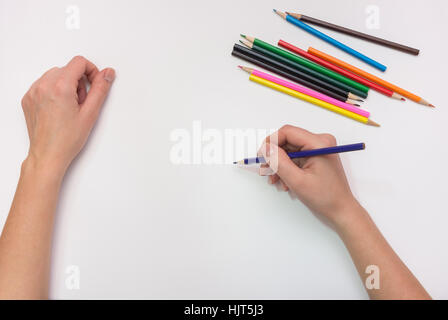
(50,71)
(286,127)
(61,87)
(24,101)
(31,94)
(329,139)
(78,58)
(41,88)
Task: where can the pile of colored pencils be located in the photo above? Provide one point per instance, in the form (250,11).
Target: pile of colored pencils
(317,77)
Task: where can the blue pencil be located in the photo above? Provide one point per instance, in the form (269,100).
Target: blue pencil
(310,153)
(331,41)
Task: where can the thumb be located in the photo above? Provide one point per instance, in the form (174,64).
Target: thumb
(99,89)
(281,164)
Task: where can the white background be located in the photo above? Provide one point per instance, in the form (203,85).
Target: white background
(140,227)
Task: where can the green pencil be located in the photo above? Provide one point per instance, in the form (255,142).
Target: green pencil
(307,63)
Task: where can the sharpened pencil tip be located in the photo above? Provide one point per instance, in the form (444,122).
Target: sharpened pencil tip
(357,105)
(281,14)
(248,70)
(426,103)
(235,162)
(246,43)
(372,123)
(243,35)
(403,99)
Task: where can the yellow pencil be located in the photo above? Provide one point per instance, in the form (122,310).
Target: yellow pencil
(312,100)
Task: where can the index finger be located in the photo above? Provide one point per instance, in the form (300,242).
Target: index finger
(79,66)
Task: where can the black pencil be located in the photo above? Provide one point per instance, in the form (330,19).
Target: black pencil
(285,71)
(355,33)
(295,73)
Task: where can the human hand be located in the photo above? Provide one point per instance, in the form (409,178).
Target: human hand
(60,113)
(319,182)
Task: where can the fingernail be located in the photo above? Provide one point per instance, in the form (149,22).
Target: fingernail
(109,75)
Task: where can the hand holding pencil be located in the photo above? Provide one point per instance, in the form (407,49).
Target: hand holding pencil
(319,182)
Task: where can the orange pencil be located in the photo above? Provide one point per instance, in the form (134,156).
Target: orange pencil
(369,76)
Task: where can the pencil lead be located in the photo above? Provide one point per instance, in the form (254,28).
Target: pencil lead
(357,105)
(243,35)
(247,43)
(403,99)
(241,67)
(431,105)
(235,162)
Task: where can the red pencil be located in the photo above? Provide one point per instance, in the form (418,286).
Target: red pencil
(340,70)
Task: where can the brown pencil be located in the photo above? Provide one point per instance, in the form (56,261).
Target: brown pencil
(355,33)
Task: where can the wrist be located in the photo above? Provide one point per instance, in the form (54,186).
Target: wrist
(350,217)
(46,170)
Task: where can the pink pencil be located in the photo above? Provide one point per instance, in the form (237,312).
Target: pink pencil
(308,92)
